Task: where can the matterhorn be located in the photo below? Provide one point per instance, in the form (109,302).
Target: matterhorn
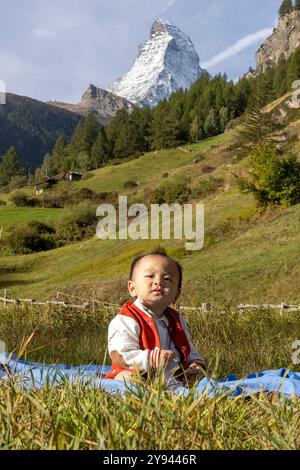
(165,62)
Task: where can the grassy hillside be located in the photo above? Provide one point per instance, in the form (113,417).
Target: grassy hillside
(12,216)
(150,166)
(250,262)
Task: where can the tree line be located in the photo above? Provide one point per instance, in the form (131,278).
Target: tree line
(187,116)
(288,6)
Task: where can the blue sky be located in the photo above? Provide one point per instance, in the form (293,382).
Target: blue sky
(54,49)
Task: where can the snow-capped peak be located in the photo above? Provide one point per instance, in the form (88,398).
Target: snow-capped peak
(165,62)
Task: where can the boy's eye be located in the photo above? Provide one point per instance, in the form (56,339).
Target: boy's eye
(168,279)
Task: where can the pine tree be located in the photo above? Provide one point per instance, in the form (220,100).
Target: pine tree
(211,124)
(242,92)
(164,128)
(258,126)
(293,69)
(11,166)
(84,136)
(77,141)
(100,150)
(223,118)
(273,180)
(196,131)
(91,129)
(82,162)
(286,7)
(114,129)
(280,80)
(58,155)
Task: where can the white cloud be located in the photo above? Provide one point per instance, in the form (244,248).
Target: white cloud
(43,33)
(169,4)
(237,47)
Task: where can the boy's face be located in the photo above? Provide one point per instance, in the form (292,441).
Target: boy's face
(155,282)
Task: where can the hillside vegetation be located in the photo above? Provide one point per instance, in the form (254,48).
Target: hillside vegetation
(248,255)
(33,127)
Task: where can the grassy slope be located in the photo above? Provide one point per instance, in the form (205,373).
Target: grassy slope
(149,166)
(245,258)
(18,215)
(12,216)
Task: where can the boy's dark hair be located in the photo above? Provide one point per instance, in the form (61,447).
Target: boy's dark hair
(157,251)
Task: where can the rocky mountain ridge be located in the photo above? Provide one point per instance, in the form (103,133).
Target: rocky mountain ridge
(98,101)
(284,40)
(166,62)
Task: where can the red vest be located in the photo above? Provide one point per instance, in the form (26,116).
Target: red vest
(149,338)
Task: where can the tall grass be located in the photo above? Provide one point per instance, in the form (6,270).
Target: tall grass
(79,416)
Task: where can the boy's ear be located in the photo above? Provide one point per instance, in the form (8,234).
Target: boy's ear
(131,288)
(177,295)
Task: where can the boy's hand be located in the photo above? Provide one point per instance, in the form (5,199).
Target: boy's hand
(160,357)
(195,367)
(166,355)
(118,359)
(195,371)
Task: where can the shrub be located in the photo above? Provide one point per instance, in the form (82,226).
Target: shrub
(130,184)
(41,227)
(72,196)
(206,186)
(2,203)
(21,199)
(17,182)
(77,223)
(272,180)
(208,169)
(54,199)
(198,158)
(33,237)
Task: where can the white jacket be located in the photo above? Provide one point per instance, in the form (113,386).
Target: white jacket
(123,337)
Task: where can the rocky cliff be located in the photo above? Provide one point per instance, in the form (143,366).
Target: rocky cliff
(284,40)
(100,102)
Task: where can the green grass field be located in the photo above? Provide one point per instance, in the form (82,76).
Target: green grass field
(149,167)
(82,417)
(247,256)
(233,267)
(13,216)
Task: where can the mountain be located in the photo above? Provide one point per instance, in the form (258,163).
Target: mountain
(100,102)
(165,62)
(284,40)
(33,127)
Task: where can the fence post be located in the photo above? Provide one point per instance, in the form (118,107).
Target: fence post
(205,307)
(5,296)
(282,308)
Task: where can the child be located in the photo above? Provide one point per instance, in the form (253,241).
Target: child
(147,333)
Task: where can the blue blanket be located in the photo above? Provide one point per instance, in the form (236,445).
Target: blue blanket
(33,375)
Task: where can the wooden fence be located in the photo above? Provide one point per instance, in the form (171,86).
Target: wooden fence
(92,303)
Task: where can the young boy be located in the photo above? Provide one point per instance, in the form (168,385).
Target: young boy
(147,333)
